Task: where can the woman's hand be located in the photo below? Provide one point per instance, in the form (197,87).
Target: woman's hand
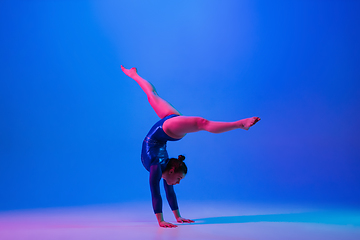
(167,225)
(180,219)
(184,220)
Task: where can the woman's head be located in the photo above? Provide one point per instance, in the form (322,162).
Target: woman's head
(175,170)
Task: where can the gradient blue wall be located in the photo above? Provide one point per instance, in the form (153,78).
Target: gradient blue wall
(72,123)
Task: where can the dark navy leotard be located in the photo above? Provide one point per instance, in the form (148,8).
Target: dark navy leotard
(155,158)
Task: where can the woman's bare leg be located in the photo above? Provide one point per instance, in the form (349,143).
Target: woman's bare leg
(160,106)
(177,127)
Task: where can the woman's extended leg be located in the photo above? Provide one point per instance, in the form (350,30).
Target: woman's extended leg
(160,106)
(177,127)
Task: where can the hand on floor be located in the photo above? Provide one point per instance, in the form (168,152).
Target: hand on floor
(184,220)
(167,225)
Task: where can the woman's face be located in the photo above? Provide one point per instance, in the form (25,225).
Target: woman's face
(173,178)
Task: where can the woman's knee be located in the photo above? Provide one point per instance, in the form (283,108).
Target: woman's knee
(202,123)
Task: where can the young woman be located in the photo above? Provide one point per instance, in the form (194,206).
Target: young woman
(172,127)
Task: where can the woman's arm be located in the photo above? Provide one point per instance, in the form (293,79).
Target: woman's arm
(155,177)
(154,180)
(172,200)
(171,196)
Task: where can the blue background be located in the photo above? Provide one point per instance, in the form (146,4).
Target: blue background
(72,124)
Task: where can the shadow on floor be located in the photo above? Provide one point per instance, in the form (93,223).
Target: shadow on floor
(338,218)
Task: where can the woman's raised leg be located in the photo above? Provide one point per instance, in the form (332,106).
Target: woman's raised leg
(160,106)
(177,127)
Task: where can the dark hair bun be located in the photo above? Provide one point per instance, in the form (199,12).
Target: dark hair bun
(181,157)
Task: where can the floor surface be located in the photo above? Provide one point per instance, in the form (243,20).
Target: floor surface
(216,220)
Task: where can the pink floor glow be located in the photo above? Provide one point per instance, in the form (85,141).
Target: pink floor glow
(216,220)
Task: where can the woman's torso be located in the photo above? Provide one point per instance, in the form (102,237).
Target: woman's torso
(154,145)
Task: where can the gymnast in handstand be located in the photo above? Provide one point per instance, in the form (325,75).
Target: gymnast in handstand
(172,127)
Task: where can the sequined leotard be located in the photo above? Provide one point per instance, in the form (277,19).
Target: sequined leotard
(155,158)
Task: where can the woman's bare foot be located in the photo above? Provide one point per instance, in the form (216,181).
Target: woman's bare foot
(248,122)
(129,72)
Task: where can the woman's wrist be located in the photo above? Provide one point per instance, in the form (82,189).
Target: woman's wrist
(177,214)
(159,217)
